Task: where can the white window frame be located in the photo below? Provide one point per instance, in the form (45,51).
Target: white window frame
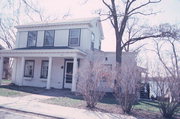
(31,42)
(76,36)
(30,68)
(46,37)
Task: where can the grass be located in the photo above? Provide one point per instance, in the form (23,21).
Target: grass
(9,90)
(106,101)
(72,100)
(104,105)
(65,101)
(6,82)
(147,105)
(10,93)
(145,109)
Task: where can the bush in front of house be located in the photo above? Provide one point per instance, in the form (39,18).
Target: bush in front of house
(93,79)
(127,86)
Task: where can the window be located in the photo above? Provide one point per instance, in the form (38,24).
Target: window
(92,40)
(29,68)
(92,37)
(44,69)
(74,37)
(92,45)
(108,66)
(105,77)
(49,38)
(32,38)
(99,45)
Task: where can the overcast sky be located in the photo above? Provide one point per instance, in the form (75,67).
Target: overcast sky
(169,12)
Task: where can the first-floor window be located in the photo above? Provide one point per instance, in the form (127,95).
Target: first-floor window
(44,69)
(108,66)
(29,68)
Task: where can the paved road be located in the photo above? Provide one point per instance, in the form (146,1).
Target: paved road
(9,114)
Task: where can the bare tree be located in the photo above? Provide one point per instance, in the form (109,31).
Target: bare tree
(119,14)
(21,11)
(91,78)
(133,30)
(168,81)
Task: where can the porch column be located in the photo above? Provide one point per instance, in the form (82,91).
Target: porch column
(49,73)
(74,78)
(22,71)
(14,79)
(1,68)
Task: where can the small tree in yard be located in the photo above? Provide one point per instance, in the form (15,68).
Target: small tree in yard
(168,81)
(127,86)
(168,96)
(90,81)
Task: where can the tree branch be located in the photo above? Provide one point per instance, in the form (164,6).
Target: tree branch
(107,5)
(133,40)
(160,58)
(142,5)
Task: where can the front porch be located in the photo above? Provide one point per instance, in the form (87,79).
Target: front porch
(62,66)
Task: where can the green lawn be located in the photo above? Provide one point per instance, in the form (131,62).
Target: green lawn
(10,93)
(4,91)
(9,90)
(65,101)
(147,105)
(6,82)
(107,103)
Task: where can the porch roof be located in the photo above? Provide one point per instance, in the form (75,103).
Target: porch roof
(43,52)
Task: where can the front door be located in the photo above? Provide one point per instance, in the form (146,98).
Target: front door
(68,74)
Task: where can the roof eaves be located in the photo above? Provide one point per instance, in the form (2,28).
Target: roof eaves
(60,23)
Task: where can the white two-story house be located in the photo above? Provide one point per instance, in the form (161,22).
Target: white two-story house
(49,54)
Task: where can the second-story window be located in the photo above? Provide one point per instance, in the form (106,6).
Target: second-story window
(100,45)
(49,38)
(92,45)
(32,38)
(92,40)
(74,37)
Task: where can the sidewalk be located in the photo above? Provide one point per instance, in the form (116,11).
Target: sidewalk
(31,104)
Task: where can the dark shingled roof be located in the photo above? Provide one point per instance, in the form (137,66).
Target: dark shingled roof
(44,47)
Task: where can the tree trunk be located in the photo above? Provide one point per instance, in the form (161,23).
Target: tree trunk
(118,52)
(119,49)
